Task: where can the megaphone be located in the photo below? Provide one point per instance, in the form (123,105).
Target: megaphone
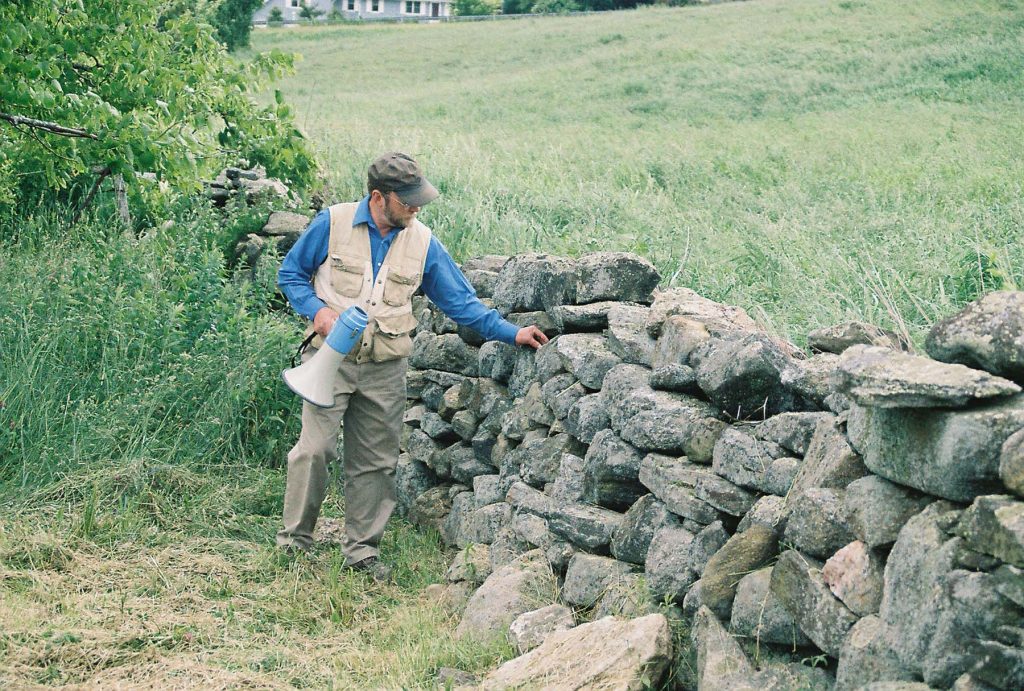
(314,380)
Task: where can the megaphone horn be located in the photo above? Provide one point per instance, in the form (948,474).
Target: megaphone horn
(313,380)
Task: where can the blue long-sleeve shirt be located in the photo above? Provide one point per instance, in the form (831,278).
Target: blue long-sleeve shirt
(443,282)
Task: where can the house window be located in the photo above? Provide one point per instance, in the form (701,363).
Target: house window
(293,3)
(375,6)
(412,6)
(351,5)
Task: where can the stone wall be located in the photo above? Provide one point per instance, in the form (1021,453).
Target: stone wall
(859,507)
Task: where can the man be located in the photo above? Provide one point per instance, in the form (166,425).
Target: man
(374,254)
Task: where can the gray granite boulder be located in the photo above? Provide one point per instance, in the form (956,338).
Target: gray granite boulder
(995,525)
(667,564)
(611,472)
(741,458)
(867,657)
(676,424)
(586,417)
(757,613)
(531,628)
(589,575)
(605,654)
(884,378)
(743,374)
(540,459)
(830,460)
(953,454)
(463,463)
(589,527)
(412,478)
(779,476)
(620,276)
(791,431)
(569,483)
(987,334)
(876,509)
(447,352)
(676,378)
(769,511)
(627,335)
(487,521)
(473,564)
(430,509)
(587,356)
(1011,463)
(487,490)
(816,522)
(797,582)
(592,317)
(524,585)
(837,338)
(535,282)
(672,480)
(632,538)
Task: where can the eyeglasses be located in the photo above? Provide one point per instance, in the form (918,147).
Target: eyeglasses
(407,207)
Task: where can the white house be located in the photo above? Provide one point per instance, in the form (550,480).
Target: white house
(358,9)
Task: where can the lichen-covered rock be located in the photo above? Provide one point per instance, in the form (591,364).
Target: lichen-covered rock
(473,564)
(456,530)
(687,303)
(797,582)
(589,575)
(995,525)
(592,317)
(412,478)
(610,473)
(568,485)
(621,276)
(830,461)
(632,538)
(676,378)
(741,458)
(744,552)
(854,574)
(757,613)
(535,282)
(779,476)
(561,392)
(587,356)
(816,522)
(672,481)
(587,416)
(680,336)
(791,431)
(540,459)
(867,657)
(447,352)
(627,336)
(531,628)
(463,463)
(743,376)
(606,654)
(884,378)
(705,545)
(952,454)
(988,334)
(812,379)
(676,424)
(876,509)
(486,522)
(1011,463)
(667,564)
(769,511)
(589,527)
(837,338)
(524,585)
(430,508)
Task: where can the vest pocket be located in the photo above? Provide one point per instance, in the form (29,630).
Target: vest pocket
(347,275)
(391,340)
(398,289)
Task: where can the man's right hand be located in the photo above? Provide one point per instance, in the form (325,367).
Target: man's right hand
(323,321)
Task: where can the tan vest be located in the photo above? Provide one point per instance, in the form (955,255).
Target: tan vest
(346,279)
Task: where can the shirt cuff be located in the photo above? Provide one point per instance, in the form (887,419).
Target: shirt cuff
(507,332)
(310,307)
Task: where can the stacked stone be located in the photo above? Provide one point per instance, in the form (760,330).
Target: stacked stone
(664,448)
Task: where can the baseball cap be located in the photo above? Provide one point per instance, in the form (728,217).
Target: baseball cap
(399,173)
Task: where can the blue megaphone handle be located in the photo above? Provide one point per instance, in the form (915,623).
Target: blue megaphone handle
(346,331)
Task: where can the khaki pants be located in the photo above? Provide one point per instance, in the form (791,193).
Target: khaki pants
(370,402)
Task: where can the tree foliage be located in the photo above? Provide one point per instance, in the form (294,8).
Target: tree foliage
(119,86)
(233,20)
(467,8)
(309,12)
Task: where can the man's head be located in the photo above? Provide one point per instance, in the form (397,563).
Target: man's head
(398,189)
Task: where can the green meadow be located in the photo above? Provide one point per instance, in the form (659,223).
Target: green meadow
(810,161)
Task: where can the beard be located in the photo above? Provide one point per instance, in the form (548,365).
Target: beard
(396,218)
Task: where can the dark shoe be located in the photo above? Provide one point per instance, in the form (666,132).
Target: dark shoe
(377,570)
(294,550)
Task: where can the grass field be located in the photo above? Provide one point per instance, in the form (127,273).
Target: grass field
(811,161)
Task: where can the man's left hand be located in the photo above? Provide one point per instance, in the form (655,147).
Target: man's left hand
(531,336)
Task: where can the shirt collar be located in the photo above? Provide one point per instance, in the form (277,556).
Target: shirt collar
(363,216)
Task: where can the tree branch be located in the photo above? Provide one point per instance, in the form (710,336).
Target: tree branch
(51,127)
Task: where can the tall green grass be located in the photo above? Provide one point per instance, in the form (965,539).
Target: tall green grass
(811,161)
